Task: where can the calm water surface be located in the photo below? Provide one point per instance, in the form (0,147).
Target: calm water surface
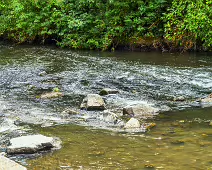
(181,139)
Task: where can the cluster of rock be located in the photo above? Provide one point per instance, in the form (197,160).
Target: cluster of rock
(94,102)
(133,113)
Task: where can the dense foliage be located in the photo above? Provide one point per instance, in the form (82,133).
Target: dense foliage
(105,24)
(189,23)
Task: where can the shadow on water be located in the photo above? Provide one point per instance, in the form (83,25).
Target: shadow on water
(180,140)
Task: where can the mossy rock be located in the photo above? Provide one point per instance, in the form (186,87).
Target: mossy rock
(150,126)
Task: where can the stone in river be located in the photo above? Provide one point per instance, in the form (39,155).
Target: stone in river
(108,116)
(93,102)
(179,98)
(32,144)
(132,123)
(207,99)
(51,95)
(140,110)
(7,164)
(70,111)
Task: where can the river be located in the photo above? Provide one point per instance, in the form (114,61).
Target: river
(181,139)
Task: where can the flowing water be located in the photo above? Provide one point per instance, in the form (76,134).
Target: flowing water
(182,136)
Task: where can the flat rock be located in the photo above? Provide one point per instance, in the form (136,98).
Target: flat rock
(140,110)
(107,91)
(51,95)
(93,102)
(7,164)
(32,144)
(132,123)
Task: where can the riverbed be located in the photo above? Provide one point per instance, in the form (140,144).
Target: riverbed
(181,138)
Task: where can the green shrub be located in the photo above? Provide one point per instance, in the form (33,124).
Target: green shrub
(105,24)
(189,24)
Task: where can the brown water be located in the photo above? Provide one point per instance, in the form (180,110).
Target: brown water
(181,139)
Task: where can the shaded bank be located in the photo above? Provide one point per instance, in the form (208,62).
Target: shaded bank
(164,25)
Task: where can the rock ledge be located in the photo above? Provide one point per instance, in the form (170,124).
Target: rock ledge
(32,144)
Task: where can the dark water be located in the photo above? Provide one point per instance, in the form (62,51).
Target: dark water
(180,140)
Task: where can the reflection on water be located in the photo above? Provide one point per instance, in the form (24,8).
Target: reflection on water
(181,139)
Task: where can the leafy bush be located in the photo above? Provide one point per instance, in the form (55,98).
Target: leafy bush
(105,24)
(189,24)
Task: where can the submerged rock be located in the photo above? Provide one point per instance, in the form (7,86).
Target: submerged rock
(178,142)
(42,73)
(32,144)
(51,95)
(207,99)
(2,115)
(206,102)
(140,110)
(107,91)
(132,123)
(7,164)
(7,125)
(179,98)
(93,102)
(110,117)
(70,111)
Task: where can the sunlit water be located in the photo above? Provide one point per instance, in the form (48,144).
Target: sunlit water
(180,140)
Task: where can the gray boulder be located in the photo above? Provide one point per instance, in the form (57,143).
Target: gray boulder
(140,110)
(107,91)
(132,123)
(108,116)
(32,144)
(93,102)
(7,164)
